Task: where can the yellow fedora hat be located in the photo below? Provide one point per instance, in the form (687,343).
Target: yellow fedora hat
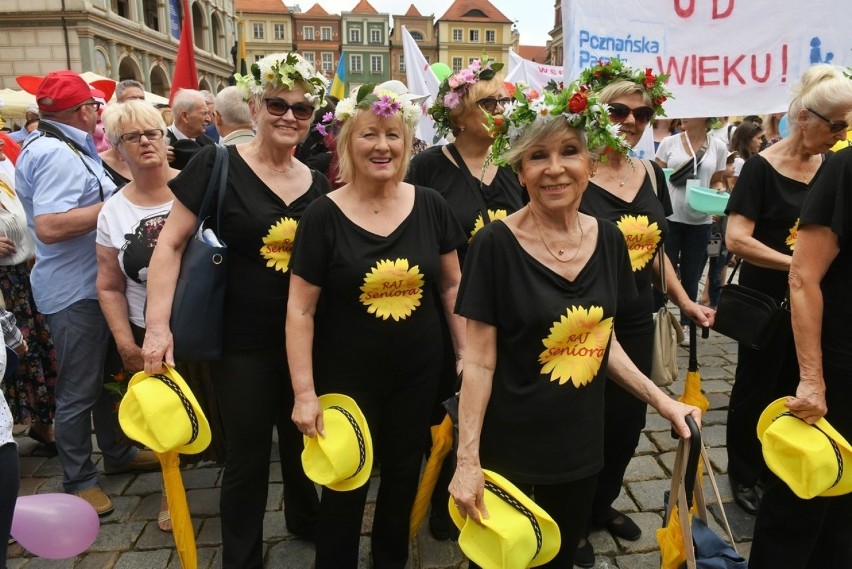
(160,411)
(517,534)
(343,458)
(813,460)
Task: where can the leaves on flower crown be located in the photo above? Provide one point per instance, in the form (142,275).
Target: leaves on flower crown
(363,91)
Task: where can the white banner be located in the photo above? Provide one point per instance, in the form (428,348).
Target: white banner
(725,57)
(421,80)
(536,75)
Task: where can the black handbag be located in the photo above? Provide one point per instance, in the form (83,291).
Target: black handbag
(199,301)
(749,316)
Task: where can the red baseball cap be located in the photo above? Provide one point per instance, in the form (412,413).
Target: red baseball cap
(62,90)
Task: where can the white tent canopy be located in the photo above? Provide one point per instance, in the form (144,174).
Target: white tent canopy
(15,103)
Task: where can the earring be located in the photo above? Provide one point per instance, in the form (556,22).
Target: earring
(461,128)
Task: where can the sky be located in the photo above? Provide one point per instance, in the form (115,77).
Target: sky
(534,17)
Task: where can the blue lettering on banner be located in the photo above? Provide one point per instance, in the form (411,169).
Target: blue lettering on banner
(594,47)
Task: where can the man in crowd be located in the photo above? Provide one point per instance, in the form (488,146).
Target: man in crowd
(62,184)
(210,128)
(186,134)
(129,90)
(232,117)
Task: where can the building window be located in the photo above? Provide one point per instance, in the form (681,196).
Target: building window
(474,36)
(415,35)
(458,34)
(470,60)
(375,36)
(308,33)
(309,56)
(327,61)
(325,34)
(402,63)
(457,64)
(376,64)
(490,36)
(258,57)
(279,32)
(151,14)
(354,35)
(121,7)
(355,64)
(257,31)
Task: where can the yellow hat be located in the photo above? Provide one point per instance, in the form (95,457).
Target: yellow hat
(517,534)
(160,411)
(343,458)
(813,460)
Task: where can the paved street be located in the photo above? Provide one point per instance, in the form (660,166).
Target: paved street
(129,537)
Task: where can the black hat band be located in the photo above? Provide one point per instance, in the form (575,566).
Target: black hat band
(362,449)
(190,412)
(512,501)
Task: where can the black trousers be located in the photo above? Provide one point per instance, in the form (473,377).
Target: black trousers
(254,394)
(762,376)
(570,505)
(398,418)
(808,534)
(10,480)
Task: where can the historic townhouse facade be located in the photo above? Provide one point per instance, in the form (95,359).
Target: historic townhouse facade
(119,39)
(471,28)
(317,38)
(422,30)
(365,45)
(267,27)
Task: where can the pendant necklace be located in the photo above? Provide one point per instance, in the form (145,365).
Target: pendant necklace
(621,182)
(560,251)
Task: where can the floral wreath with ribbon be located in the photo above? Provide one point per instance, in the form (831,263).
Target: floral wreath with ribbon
(576,104)
(283,70)
(454,87)
(603,73)
(380,102)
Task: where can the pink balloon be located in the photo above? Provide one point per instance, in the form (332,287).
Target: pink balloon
(55,526)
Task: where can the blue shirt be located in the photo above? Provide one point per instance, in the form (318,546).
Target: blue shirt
(51,178)
(19,135)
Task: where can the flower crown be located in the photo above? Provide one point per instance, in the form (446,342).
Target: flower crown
(599,76)
(283,70)
(381,102)
(576,104)
(454,87)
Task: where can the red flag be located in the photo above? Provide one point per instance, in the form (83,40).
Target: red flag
(186,75)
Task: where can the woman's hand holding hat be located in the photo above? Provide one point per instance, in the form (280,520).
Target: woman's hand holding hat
(809,403)
(307,414)
(467,489)
(158,347)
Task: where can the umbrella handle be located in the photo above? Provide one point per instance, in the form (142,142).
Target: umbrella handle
(693,347)
(692,459)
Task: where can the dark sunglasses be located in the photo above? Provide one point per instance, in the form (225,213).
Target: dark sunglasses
(833,126)
(619,112)
(490,103)
(135,137)
(279,108)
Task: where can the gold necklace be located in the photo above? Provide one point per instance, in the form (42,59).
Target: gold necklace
(562,250)
(621,182)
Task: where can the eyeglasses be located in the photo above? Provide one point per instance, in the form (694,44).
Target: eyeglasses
(97,105)
(279,107)
(619,112)
(833,126)
(135,137)
(490,103)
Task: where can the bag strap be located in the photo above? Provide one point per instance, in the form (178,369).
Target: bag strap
(784,303)
(48,129)
(473,183)
(216,185)
(661,250)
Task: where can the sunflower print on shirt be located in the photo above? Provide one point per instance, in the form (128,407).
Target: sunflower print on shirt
(641,237)
(392,290)
(278,244)
(793,236)
(479,224)
(576,346)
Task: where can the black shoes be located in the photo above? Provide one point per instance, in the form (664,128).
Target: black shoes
(620,525)
(746,497)
(585,556)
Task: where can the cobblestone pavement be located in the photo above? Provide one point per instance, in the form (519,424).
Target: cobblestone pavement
(129,537)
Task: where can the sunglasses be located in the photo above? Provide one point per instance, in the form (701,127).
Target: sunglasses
(97,105)
(833,126)
(619,112)
(279,107)
(490,103)
(135,137)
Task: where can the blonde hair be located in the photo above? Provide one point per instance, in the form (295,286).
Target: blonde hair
(117,115)
(343,145)
(540,130)
(622,88)
(469,101)
(823,88)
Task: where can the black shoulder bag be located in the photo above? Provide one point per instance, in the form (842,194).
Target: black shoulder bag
(199,300)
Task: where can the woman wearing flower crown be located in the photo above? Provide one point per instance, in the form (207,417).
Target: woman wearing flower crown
(478,192)
(266,194)
(540,291)
(374,266)
(623,192)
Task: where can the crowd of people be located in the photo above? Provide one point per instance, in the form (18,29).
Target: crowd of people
(515,266)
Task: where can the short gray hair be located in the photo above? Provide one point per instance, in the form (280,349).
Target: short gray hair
(122,86)
(823,88)
(540,130)
(117,115)
(185,100)
(207,96)
(232,108)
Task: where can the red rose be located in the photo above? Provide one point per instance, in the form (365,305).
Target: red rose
(649,78)
(660,100)
(577,103)
(498,121)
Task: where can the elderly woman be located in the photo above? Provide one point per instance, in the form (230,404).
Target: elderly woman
(477,190)
(622,191)
(791,532)
(374,266)
(704,157)
(763,220)
(540,292)
(128,226)
(266,193)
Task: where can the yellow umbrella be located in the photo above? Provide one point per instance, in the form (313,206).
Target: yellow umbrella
(692,394)
(442,443)
(182,529)
(670,539)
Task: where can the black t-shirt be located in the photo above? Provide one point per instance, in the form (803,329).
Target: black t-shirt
(258,228)
(502,197)
(544,420)
(644,226)
(773,201)
(829,203)
(377,318)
